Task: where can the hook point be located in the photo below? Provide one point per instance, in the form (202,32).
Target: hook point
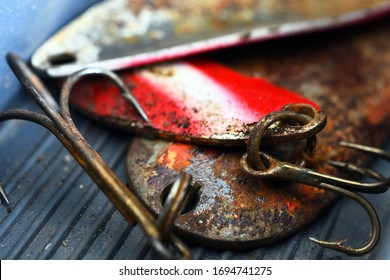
(132,101)
(3,195)
(371,150)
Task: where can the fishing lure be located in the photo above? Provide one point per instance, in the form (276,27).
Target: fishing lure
(197,101)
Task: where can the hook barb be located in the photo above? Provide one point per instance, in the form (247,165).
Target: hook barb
(371,150)
(375,225)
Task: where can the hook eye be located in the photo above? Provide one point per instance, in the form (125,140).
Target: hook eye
(313,121)
(256,136)
(271,166)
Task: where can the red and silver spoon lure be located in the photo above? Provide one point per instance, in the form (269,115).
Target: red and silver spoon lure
(196,101)
(193,101)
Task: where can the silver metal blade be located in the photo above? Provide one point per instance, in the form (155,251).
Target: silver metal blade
(118,34)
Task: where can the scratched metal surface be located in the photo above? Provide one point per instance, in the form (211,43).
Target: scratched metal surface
(60,214)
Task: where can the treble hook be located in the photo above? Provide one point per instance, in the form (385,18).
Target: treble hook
(262,165)
(62,126)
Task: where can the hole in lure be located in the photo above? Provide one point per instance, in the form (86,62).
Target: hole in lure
(62,58)
(190,202)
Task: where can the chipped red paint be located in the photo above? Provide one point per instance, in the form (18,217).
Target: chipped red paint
(177,156)
(165,113)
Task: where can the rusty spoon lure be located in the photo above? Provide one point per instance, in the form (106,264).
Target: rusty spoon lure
(62,126)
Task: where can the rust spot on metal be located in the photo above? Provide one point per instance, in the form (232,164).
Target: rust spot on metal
(177,157)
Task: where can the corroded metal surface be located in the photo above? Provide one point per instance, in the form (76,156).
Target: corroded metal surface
(230,209)
(346,73)
(118,34)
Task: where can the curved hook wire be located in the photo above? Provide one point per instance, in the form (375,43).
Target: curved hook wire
(174,203)
(314,122)
(271,168)
(259,130)
(375,225)
(34,117)
(74,78)
(182,184)
(63,127)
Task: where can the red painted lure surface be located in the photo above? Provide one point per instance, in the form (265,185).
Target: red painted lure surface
(199,100)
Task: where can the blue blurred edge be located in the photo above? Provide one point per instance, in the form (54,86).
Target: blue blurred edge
(24,26)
